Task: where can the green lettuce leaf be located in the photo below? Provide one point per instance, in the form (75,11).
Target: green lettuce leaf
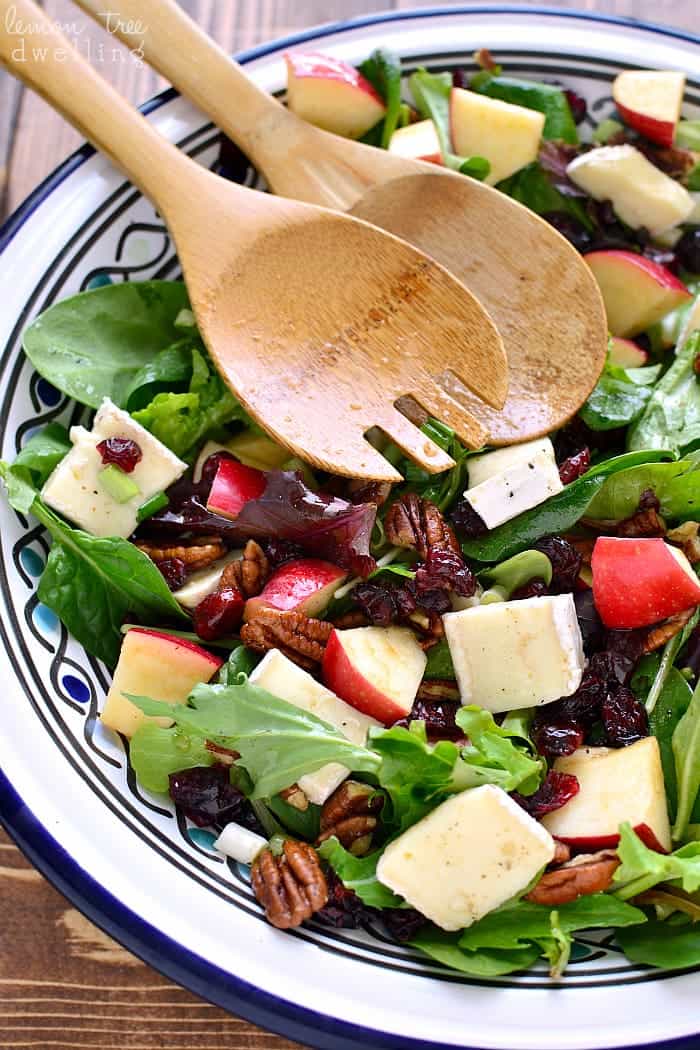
(671,420)
(532,187)
(169,371)
(383,70)
(557,947)
(642,868)
(492,748)
(359,874)
(431,94)
(155,753)
(545,98)
(616,401)
(42,453)
(668,945)
(686,752)
(493,962)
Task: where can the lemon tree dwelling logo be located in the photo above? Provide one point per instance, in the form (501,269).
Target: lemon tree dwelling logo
(33,45)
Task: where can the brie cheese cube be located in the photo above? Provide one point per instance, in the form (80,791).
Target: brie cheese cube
(239,843)
(509,655)
(74,488)
(640,194)
(204,582)
(470,855)
(508,481)
(285,679)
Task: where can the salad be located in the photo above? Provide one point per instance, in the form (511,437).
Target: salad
(466,707)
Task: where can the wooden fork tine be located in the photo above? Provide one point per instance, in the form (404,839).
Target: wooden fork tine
(414,443)
(439,404)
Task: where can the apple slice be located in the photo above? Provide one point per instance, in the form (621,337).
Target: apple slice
(417,141)
(304,584)
(233,486)
(615,786)
(331,94)
(637,582)
(375,669)
(636,291)
(507,136)
(650,100)
(155,664)
(626,354)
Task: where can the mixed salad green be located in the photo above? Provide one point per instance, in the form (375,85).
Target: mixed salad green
(468,706)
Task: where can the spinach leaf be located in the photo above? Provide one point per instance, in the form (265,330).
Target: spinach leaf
(532,187)
(520,922)
(169,371)
(91,345)
(557,514)
(431,93)
(44,451)
(359,874)
(441,489)
(493,962)
(641,867)
(693,179)
(277,741)
(545,98)
(304,824)
(688,134)
(686,753)
(676,486)
(383,70)
(241,661)
(155,753)
(505,578)
(671,419)
(439,663)
(668,945)
(614,402)
(671,705)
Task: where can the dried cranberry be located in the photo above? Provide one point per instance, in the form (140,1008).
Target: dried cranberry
(554,739)
(575,232)
(590,623)
(556,790)
(402,923)
(577,105)
(460,79)
(122,452)
(219,614)
(624,718)
(689,655)
(280,551)
(688,249)
(649,501)
(439,717)
(444,569)
(566,563)
(434,601)
(206,795)
(573,467)
(344,909)
(622,652)
(573,438)
(174,571)
(467,521)
(534,588)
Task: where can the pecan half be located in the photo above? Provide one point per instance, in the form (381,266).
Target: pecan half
(562,853)
(584,545)
(299,637)
(295,797)
(663,632)
(290,887)
(589,873)
(249,573)
(352,618)
(196,556)
(224,755)
(418,524)
(349,815)
(643,523)
(436,689)
(686,537)
(376,492)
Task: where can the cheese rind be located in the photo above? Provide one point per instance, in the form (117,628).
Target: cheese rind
(510,655)
(639,192)
(509,481)
(74,488)
(470,855)
(279,676)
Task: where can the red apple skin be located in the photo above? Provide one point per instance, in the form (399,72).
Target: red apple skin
(637,582)
(660,274)
(305,585)
(631,92)
(183,643)
(233,487)
(636,291)
(626,354)
(345,681)
(595,842)
(314,64)
(659,131)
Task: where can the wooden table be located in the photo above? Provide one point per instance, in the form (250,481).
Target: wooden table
(63,983)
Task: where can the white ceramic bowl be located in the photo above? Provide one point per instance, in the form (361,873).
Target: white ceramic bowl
(65,792)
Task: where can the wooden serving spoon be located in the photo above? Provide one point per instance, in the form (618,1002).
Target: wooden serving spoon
(542,296)
(319,322)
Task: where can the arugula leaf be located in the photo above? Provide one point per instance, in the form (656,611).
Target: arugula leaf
(686,752)
(439,663)
(557,947)
(491,747)
(668,945)
(277,742)
(431,93)
(642,868)
(444,947)
(615,402)
(359,874)
(383,70)
(44,451)
(505,578)
(519,923)
(532,187)
(156,752)
(556,514)
(545,98)
(671,419)
(91,345)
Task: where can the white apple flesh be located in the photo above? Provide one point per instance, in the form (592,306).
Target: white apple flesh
(331,94)
(158,665)
(507,136)
(375,669)
(418,141)
(305,585)
(637,292)
(649,100)
(615,786)
(626,354)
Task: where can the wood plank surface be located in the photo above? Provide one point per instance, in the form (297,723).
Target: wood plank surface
(63,983)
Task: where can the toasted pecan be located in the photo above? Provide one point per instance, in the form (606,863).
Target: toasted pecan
(686,537)
(250,573)
(418,524)
(299,637)
(195,556)
(290,887)
(589,873)
(349,814)
(663,632)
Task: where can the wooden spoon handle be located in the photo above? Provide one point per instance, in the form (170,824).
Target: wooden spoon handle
(172,43)
(36,52)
